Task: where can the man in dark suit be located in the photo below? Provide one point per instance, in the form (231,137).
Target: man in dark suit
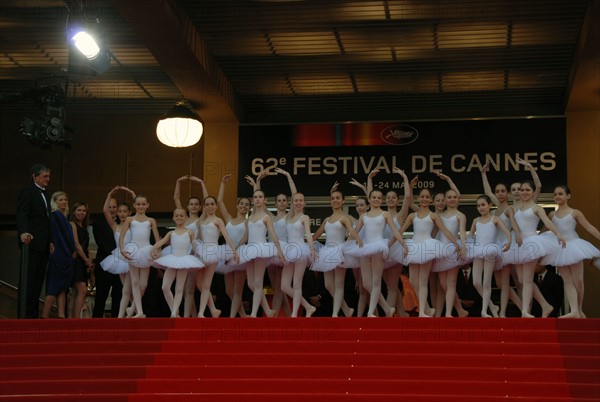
(33,228)
(468,295)
(105,281)
(552,287)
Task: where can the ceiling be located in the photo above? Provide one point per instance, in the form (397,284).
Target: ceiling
(263,62)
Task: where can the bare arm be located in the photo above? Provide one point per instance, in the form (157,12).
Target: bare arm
(269,223)
(580,218)
(309,237)
(356,183)
(515,226)
(534,176)
(448,180)
(320,230)
(438,222)
(473,230)
(122,238)
(397,234)
(228,240)
(408,196)
(539,211)
(487,189)
(293,188)
(158,245)
(506,232)
(78,247)
(462,224)
(348,224)
(202,185)
(154,229)
(414,207)
(222,206)
(177,194)
(370,180)
(106,209)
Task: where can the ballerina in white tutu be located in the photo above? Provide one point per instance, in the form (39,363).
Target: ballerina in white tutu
(362,206)
(138,251)
(115,263)
(210,253)
(506,214)
(194,208)
(534,248)
(177,263)
(275,266)
(375,250)
(257,252)
(299,251)
(237,227)
(446,266)
(331,258)
(422,248)
(486,252)
(569,260)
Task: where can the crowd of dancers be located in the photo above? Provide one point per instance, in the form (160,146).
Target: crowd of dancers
(503,242)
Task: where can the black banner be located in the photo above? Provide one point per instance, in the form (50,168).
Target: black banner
(320,154)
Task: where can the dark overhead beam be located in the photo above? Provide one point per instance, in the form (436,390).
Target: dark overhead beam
(180,49)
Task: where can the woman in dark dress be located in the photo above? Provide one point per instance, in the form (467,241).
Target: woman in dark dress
(60,265)
(83,264)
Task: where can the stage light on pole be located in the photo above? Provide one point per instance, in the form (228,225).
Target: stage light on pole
(180,127)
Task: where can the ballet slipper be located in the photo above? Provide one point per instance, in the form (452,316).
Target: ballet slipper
(547,311)
(494,309)
(572,314)
(461,314)
(140,315)
(310,311)
(391,312)
(216,313)
(350,312)
(526,315)
(485,315)
(371,316)
(130,311)
(581,315)
(423,315)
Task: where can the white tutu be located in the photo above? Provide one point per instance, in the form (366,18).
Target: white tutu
(211,252)
(509,256)
(534,248)
(182,262)
(350,261)
(575,251)
(449,258)
(275,261)
(294,252)
(596,262)
(140,257)
(115,263)
(329,257)
(422,252)
(396,256)
(230,266)
(252,251)
(488,252)
(378,246)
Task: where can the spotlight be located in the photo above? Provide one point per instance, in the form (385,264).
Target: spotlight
(86,44)
(90,51)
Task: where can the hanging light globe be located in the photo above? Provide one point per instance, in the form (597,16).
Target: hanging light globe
(180,127)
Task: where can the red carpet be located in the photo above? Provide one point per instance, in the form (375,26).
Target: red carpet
(356,359)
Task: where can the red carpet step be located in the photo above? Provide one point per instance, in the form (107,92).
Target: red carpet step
(316,359)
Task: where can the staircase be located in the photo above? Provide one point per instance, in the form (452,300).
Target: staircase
(315,359)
